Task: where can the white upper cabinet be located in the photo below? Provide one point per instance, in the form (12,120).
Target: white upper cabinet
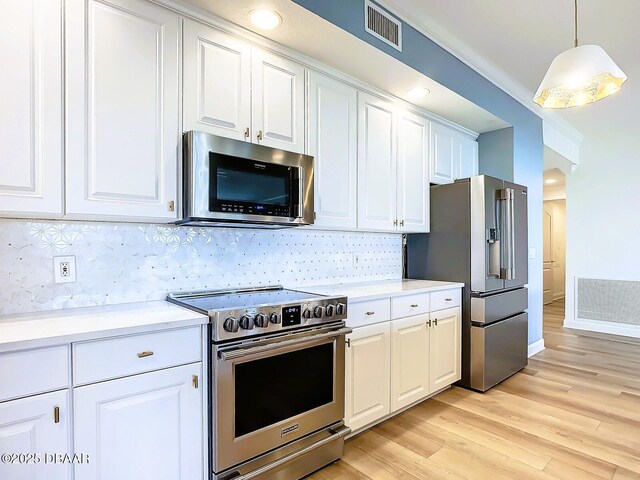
(123,137)
(453,155)
(217,82)
(442,163)
(376,164)
(465,157)
(413,173)
(278,101)
(36,425)
(31,168)
(333,142)
(143,426)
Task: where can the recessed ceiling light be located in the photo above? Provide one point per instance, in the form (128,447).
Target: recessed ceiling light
(418,92)
(264,18)
(549,181)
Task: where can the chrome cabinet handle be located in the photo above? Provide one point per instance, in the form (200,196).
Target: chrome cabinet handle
(414,305)
(144,354)
(402,223)
(348,342)
(246,132)
(435,322)
(370,313)
(429,323)
(56,414)
(259,135)
(195,381)
(395,223)
(448,299)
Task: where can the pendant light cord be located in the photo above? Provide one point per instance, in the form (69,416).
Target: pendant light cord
(575,22)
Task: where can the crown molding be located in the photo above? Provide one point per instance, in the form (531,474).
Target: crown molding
(488,70)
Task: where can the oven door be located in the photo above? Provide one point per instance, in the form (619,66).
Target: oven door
(272,392)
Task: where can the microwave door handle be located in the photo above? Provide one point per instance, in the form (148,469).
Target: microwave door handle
(300,206)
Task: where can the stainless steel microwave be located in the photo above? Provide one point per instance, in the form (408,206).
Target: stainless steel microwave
(235,183)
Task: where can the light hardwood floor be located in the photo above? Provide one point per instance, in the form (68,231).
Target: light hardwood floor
(573,413)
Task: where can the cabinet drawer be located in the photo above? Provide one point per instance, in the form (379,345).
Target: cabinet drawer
(33,371)
(409,305)
(445,299)
(118,357)
(369,312)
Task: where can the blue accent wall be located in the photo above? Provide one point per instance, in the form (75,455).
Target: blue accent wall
(495,153)
(427,57)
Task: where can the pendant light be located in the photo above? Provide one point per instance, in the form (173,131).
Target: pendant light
(583,74)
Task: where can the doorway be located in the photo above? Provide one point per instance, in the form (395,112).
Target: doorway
(554,237)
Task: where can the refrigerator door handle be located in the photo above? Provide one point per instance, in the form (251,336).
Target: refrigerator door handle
(512,234)
(507,233)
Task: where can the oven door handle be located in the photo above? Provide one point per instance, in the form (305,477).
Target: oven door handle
(342,432)
(245,352)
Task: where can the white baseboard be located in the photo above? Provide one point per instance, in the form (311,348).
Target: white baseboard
(624,329)
(536,347)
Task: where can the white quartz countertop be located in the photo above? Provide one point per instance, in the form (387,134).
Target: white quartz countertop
(381,289)
(71,325)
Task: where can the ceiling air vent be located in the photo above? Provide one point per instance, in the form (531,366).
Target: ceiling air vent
(382,25)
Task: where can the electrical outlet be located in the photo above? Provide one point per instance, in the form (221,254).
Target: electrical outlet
(64,269)
(532,252)
(355,259)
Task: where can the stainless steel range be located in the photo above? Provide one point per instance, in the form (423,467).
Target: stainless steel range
(277,380)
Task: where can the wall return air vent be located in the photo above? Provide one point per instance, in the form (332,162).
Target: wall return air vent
(382,25)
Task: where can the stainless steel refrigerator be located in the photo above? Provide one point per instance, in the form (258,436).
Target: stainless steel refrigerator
(479,236)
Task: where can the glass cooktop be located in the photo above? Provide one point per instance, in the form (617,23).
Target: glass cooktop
(204,302)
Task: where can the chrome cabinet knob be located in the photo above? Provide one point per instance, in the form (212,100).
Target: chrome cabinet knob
(246,322)
(230,325)
(261,320)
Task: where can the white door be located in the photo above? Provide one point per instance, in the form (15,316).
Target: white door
(376,164)
(217,82)
(278,101)
(333,142)
(442,158)
(465,156)
(547,254)
(123,137)
(29,426)
(409,360)
(143,426)
(413,173)
(367,375)
(31,169)
(444,350)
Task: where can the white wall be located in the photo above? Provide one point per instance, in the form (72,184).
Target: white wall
(603,214)
(558,211)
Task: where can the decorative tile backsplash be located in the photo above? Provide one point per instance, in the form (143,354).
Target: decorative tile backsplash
(120,263)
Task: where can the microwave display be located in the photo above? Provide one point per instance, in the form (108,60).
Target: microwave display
(245,186)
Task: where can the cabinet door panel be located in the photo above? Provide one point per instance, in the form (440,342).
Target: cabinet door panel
(413,173)
(466,157)
(367,375)
(31,113)
(409,360)
(27,426)
(442,158)
(278,101)
(217,82)
(122,136)
(376,164)
(444,348)
(333,143)
(161,413)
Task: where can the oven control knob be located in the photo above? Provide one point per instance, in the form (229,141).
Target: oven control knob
(246,322)
(340,309)
(318,311)
(261,320)
(329,310)
(306,313)
(230,325)
(275,318)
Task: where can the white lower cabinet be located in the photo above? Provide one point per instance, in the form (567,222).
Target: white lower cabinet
(397,362)
(367,375)
(409,360)
(444,348)
(35,425)
(144,426)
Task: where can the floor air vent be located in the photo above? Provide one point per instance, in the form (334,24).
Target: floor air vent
(382,25)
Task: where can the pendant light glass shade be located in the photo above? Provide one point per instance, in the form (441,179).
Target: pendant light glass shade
(578,76)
